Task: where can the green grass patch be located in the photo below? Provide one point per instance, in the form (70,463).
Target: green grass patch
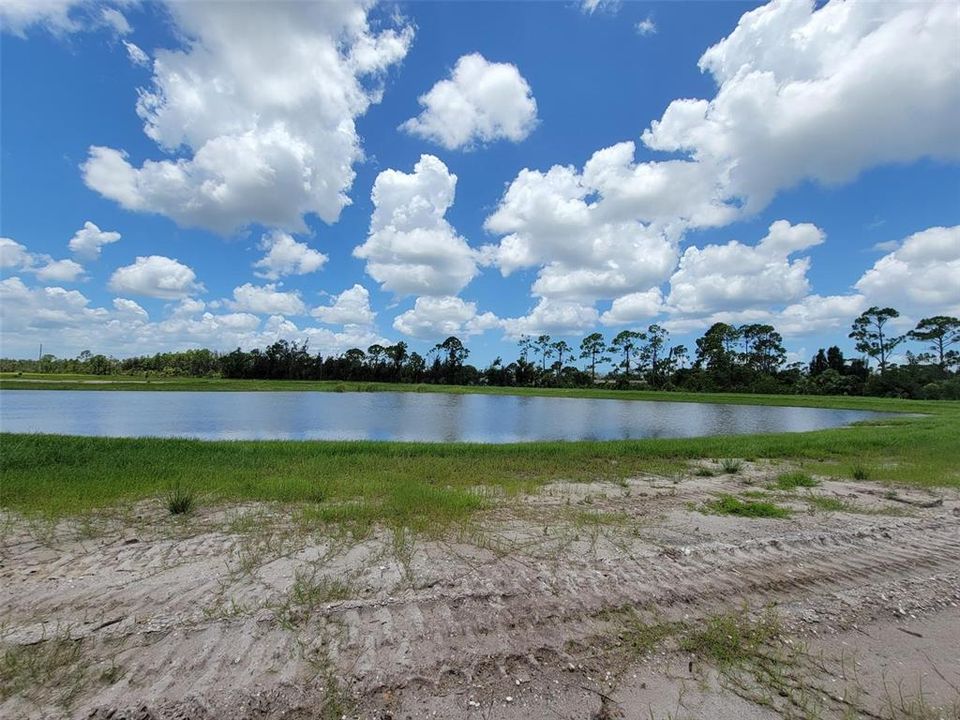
(731,505)
(792,480)
(412,504)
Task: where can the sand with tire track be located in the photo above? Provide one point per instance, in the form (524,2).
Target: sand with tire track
(542,607)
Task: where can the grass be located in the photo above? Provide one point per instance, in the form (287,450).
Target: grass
(730,505)
(639,637)
(859,472)
(792,480)
(57,663)
(731,639)
(180,500)
(308,594)
(731,466)
(829,504)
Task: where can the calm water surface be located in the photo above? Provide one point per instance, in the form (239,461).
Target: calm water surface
(427,417)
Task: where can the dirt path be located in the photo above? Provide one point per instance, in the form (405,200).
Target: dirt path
(581,601)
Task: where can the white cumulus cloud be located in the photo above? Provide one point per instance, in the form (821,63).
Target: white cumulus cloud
(59,271)
(16,257)
(922,275)
(263,97)
(87,242)
(130,307)
(13,254)
(155,276)
(438,317)
(735,276)
(635,308)
(266,300)
(553,317)
(351,307)
(411,248)
(607,231)
(480,102)
(821,93)
(286,256)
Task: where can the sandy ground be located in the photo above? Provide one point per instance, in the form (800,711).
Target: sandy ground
(577,602)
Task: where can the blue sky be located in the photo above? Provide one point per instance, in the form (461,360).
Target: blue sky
(822,139)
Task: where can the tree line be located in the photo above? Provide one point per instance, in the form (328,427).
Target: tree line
(726,358)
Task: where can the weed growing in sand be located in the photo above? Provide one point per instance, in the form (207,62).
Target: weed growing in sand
(704,472)
(731,505)
(828,504)
(598,518)
(860,472)
(180,500)
(899,702)
(308,593)
(337,702)
(403,545)
(731,639)
(641,638)
(53,668)
(112,674)
(731,466)
(791,480)
(256,550)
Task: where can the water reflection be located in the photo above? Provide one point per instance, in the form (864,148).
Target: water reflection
(428,417)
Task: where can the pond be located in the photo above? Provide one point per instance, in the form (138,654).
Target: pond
(409,416)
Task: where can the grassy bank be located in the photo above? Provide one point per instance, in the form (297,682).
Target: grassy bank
(423,484)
